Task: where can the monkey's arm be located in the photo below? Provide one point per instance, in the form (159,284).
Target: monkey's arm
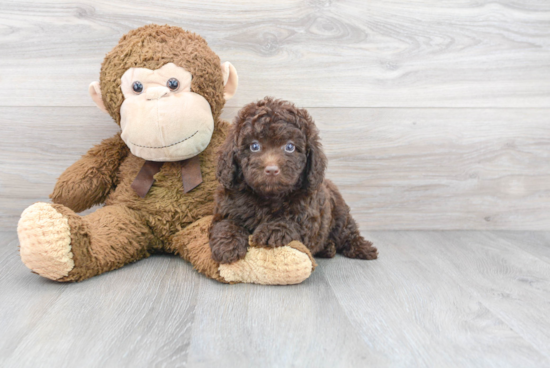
(89,180)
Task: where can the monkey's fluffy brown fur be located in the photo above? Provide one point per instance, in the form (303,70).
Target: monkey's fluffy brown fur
(297,203)
(129,227)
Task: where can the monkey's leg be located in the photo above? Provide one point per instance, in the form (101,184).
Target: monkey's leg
(60,245)
(192,245)
(290,264)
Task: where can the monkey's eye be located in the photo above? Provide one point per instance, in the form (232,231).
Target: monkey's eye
(290,147)
(255,147)
(137,87)
(173,84)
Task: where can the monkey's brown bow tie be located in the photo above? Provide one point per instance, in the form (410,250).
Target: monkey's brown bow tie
(190,174)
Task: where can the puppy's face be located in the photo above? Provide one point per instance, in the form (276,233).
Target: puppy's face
(272,155)
(272,148)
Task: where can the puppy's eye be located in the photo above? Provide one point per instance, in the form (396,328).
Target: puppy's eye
(137,87)
(255,147)
(173,84)
(289,148)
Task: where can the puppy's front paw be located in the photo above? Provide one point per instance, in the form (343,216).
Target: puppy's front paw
(228,249)
(274,234)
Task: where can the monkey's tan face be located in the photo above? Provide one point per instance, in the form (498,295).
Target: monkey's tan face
(161,119)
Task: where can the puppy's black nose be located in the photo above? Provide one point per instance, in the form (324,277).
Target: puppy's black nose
(272,170)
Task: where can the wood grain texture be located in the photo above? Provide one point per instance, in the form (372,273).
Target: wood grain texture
(301,326)
(441,168)
(397,168)
(138,317)
(442,321)
(536,243)
(432,299)
(319,53)
(497,271)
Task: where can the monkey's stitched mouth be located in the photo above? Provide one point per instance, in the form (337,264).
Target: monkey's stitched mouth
(170,145)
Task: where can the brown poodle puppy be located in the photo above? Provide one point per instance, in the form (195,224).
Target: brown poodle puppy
(271,171)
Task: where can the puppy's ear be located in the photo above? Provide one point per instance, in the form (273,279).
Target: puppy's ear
(228,169)
(314,173)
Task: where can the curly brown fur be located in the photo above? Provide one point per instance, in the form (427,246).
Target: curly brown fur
(278,195)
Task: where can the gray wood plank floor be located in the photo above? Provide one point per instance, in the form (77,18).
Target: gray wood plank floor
(433,299)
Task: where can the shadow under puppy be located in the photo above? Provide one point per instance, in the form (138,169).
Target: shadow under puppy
(271,171)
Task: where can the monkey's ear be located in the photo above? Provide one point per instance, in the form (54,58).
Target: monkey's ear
(95,93)
(230,80)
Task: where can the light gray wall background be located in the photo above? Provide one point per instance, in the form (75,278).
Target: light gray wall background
(434,114)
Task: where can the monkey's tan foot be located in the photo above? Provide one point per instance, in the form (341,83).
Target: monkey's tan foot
(290,264)
(45,241)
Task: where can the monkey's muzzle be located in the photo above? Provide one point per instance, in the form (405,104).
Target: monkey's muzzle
(161,126)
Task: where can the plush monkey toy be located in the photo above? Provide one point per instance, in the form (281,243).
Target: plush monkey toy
(165,88)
